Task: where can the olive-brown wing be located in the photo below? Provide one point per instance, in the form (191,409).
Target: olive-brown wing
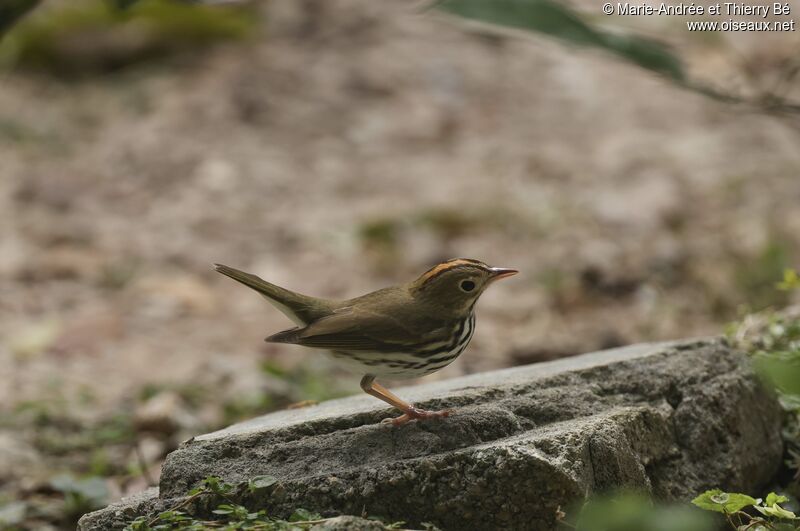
(353,329)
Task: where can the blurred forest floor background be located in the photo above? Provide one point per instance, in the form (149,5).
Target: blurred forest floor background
(335,147)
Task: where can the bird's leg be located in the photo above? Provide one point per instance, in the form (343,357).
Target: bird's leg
(410,412)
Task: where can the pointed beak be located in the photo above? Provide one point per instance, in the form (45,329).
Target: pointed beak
(500,272)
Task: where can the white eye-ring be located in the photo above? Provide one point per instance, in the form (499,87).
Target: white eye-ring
(467,285)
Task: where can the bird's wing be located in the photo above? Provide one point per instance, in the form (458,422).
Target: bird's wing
(353,329)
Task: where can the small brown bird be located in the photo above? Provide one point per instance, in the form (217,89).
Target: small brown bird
(398,332)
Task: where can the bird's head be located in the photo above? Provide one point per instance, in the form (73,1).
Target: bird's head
(455,285)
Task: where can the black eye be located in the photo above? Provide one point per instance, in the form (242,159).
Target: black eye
(467,285)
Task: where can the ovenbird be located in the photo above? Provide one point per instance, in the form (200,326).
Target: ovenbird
(398,332)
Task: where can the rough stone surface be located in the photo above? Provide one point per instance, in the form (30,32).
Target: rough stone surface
(673,419)
(349,523)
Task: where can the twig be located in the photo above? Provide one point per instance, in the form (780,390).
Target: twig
(180,505)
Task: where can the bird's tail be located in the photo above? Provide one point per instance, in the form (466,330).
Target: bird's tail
(301,309)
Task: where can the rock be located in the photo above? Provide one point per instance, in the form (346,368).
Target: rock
(349,523)
(673,419)
(119,514)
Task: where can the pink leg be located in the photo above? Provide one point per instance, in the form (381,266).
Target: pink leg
(409,411)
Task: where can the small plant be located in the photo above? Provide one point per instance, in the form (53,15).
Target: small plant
(772,516)
(637,512)
(561,21)
(773,340)
(229,512)
(94,36)
(790,282)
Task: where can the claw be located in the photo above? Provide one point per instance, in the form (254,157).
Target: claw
(397,421)
(415,414)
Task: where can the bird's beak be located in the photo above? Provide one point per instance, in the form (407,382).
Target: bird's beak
(500,272)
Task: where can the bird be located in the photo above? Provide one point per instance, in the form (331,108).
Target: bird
(399,332)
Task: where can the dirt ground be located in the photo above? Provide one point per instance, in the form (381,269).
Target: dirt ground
(348,146)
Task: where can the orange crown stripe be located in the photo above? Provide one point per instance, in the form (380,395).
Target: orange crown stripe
(437,270)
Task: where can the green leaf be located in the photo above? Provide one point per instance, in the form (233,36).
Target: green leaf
(773,498)
(261,482)
(723,502)
(303,515)
(776,511)
(216,485)
(791,280)
(780,368)
(771,508)
(558,20)
(542,16)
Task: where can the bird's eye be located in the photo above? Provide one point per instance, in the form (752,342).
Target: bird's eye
(467,285)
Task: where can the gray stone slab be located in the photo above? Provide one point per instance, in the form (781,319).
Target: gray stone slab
(671,418)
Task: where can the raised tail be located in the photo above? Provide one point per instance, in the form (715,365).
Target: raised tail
(301,309)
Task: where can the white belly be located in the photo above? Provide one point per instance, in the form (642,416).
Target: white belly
(401,365)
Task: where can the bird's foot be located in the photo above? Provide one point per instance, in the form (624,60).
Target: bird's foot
(414,413)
